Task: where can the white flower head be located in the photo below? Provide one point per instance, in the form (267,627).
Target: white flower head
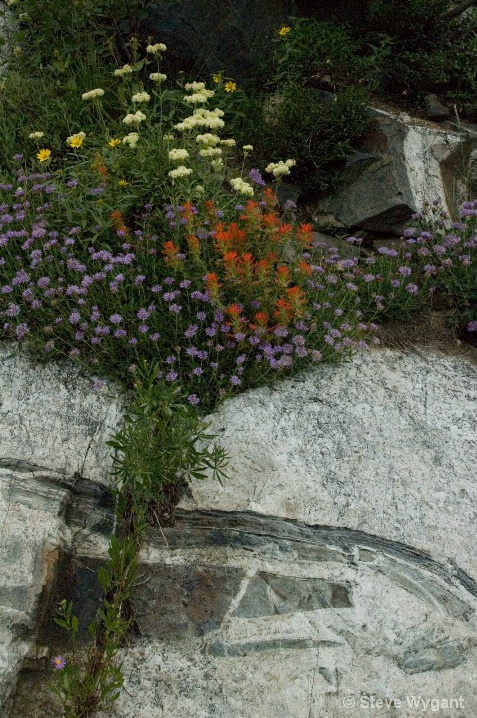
(124,70)
(158,77)
(196,98)
(178,154)
(157,48)
(242,187)
(141,97)
(195,86)
(92,94)
(134,119)
(168,138)
(180,171)
(36,135)
(228,143)
(278,169)
(131,139)
(247,149)
(208,139)
(210,152)
(214,123)
(217,164)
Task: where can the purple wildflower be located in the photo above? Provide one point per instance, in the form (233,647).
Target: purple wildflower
(59,662)
(21,330)
(191,331)
(256,177)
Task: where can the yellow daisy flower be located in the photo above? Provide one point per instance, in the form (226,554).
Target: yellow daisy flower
(230,87)
(284,30)
(44,155)
(75,142)
(123,183)
(114,143)
(217,78)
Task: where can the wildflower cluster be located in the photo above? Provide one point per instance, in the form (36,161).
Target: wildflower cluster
(211,301)
(437,258)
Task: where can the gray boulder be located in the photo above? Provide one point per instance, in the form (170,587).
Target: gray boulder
(401,163)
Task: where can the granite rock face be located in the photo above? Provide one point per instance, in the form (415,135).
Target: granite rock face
(402,163)
(334,571)
(53,426)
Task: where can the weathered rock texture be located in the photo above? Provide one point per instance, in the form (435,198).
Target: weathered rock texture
(337,564)
(53,426)
(402,163)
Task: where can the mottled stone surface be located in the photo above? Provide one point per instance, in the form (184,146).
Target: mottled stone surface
(385,444)
(53,420)
(53,426)
(336,567)
(354,616)
(406,162)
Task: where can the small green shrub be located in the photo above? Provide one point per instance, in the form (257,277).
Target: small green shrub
(318,132)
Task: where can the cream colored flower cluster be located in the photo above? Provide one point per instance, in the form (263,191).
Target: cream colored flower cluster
(210,152)
(199,97)
(194,86)
(179,172)
(178,154)
(131,139)
(36,135)
(158,77)
(208,139)
(92,94)
(202,118)
(278,169)
(241,186)
(134,119)
(156,49)
(141,97)
(124,70)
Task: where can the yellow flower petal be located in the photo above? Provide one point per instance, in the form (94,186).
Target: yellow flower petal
(44,155)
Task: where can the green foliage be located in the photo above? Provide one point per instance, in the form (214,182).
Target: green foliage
(158,444)
(52,34)
(430,53)
(318,132)
(316,128)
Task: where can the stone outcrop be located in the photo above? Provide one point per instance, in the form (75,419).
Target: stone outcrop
(53,426)
(335,568)
(402,163)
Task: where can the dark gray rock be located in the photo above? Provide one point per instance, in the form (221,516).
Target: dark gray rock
(426,654)
(184,601)
(435,110)
(400,164)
